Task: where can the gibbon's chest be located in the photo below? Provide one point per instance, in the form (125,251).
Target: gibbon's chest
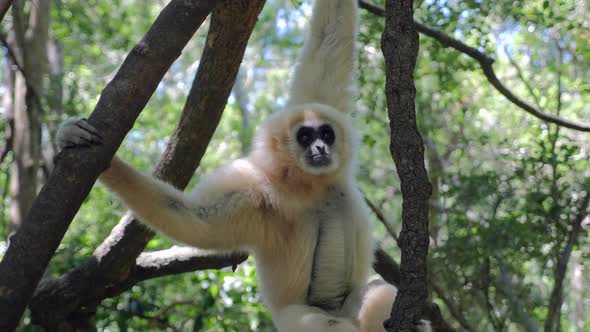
(333,248)
(313,256)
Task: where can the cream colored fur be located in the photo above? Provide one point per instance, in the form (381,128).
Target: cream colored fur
(291,216)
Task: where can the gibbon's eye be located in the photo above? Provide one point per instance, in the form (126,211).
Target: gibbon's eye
(305,136)
(327,134)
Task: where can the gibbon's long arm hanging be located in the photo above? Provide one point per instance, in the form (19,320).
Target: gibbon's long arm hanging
(292,201)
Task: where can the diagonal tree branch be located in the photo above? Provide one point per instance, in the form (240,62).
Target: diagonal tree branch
(115,259)
(485,63)
(381,218)
(4,6)
(120,103)
(171,261)
(453,309)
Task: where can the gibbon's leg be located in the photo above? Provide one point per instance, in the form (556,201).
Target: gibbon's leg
(210,223)
(325,71)
(377,306)
(303,318)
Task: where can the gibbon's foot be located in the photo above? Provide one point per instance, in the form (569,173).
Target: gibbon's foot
(77,132)
(422,326)
(299,318)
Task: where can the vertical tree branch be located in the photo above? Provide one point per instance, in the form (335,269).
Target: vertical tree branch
(120,103)
(29,41)
(517,308)
(399,44)
(485,288)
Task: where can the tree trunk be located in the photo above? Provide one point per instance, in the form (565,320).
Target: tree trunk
(399,44)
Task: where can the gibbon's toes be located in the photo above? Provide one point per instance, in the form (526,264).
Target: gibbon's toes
(423,326)
(77,133)
(340,325)
(84,124)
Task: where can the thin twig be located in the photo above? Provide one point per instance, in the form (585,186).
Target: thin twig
(523,79)
(9,140)
(455,312)
(486,292)
(382,219)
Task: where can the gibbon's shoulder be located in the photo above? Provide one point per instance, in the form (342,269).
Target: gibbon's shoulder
(239,175)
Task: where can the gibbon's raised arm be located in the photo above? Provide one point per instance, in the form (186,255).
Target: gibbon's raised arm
(213,217)
(326,69)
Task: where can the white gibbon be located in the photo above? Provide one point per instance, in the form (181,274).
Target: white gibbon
(292,202)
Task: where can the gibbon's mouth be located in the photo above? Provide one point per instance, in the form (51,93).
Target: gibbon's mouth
(319,160)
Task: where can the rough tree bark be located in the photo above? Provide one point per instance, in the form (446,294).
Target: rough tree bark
(28,44)
(113,266)
(120,103)
(399,44)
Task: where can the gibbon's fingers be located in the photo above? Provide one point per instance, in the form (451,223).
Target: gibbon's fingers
(77,132)
(84,124)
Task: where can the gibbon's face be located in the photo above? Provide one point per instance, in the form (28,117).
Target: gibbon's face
(313,139)
(316,151)
(320,139)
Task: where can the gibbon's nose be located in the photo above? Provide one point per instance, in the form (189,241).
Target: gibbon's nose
(319,148)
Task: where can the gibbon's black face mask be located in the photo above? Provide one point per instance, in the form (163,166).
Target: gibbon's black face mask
(316,142)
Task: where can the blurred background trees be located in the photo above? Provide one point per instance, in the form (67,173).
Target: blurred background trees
(509,228)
